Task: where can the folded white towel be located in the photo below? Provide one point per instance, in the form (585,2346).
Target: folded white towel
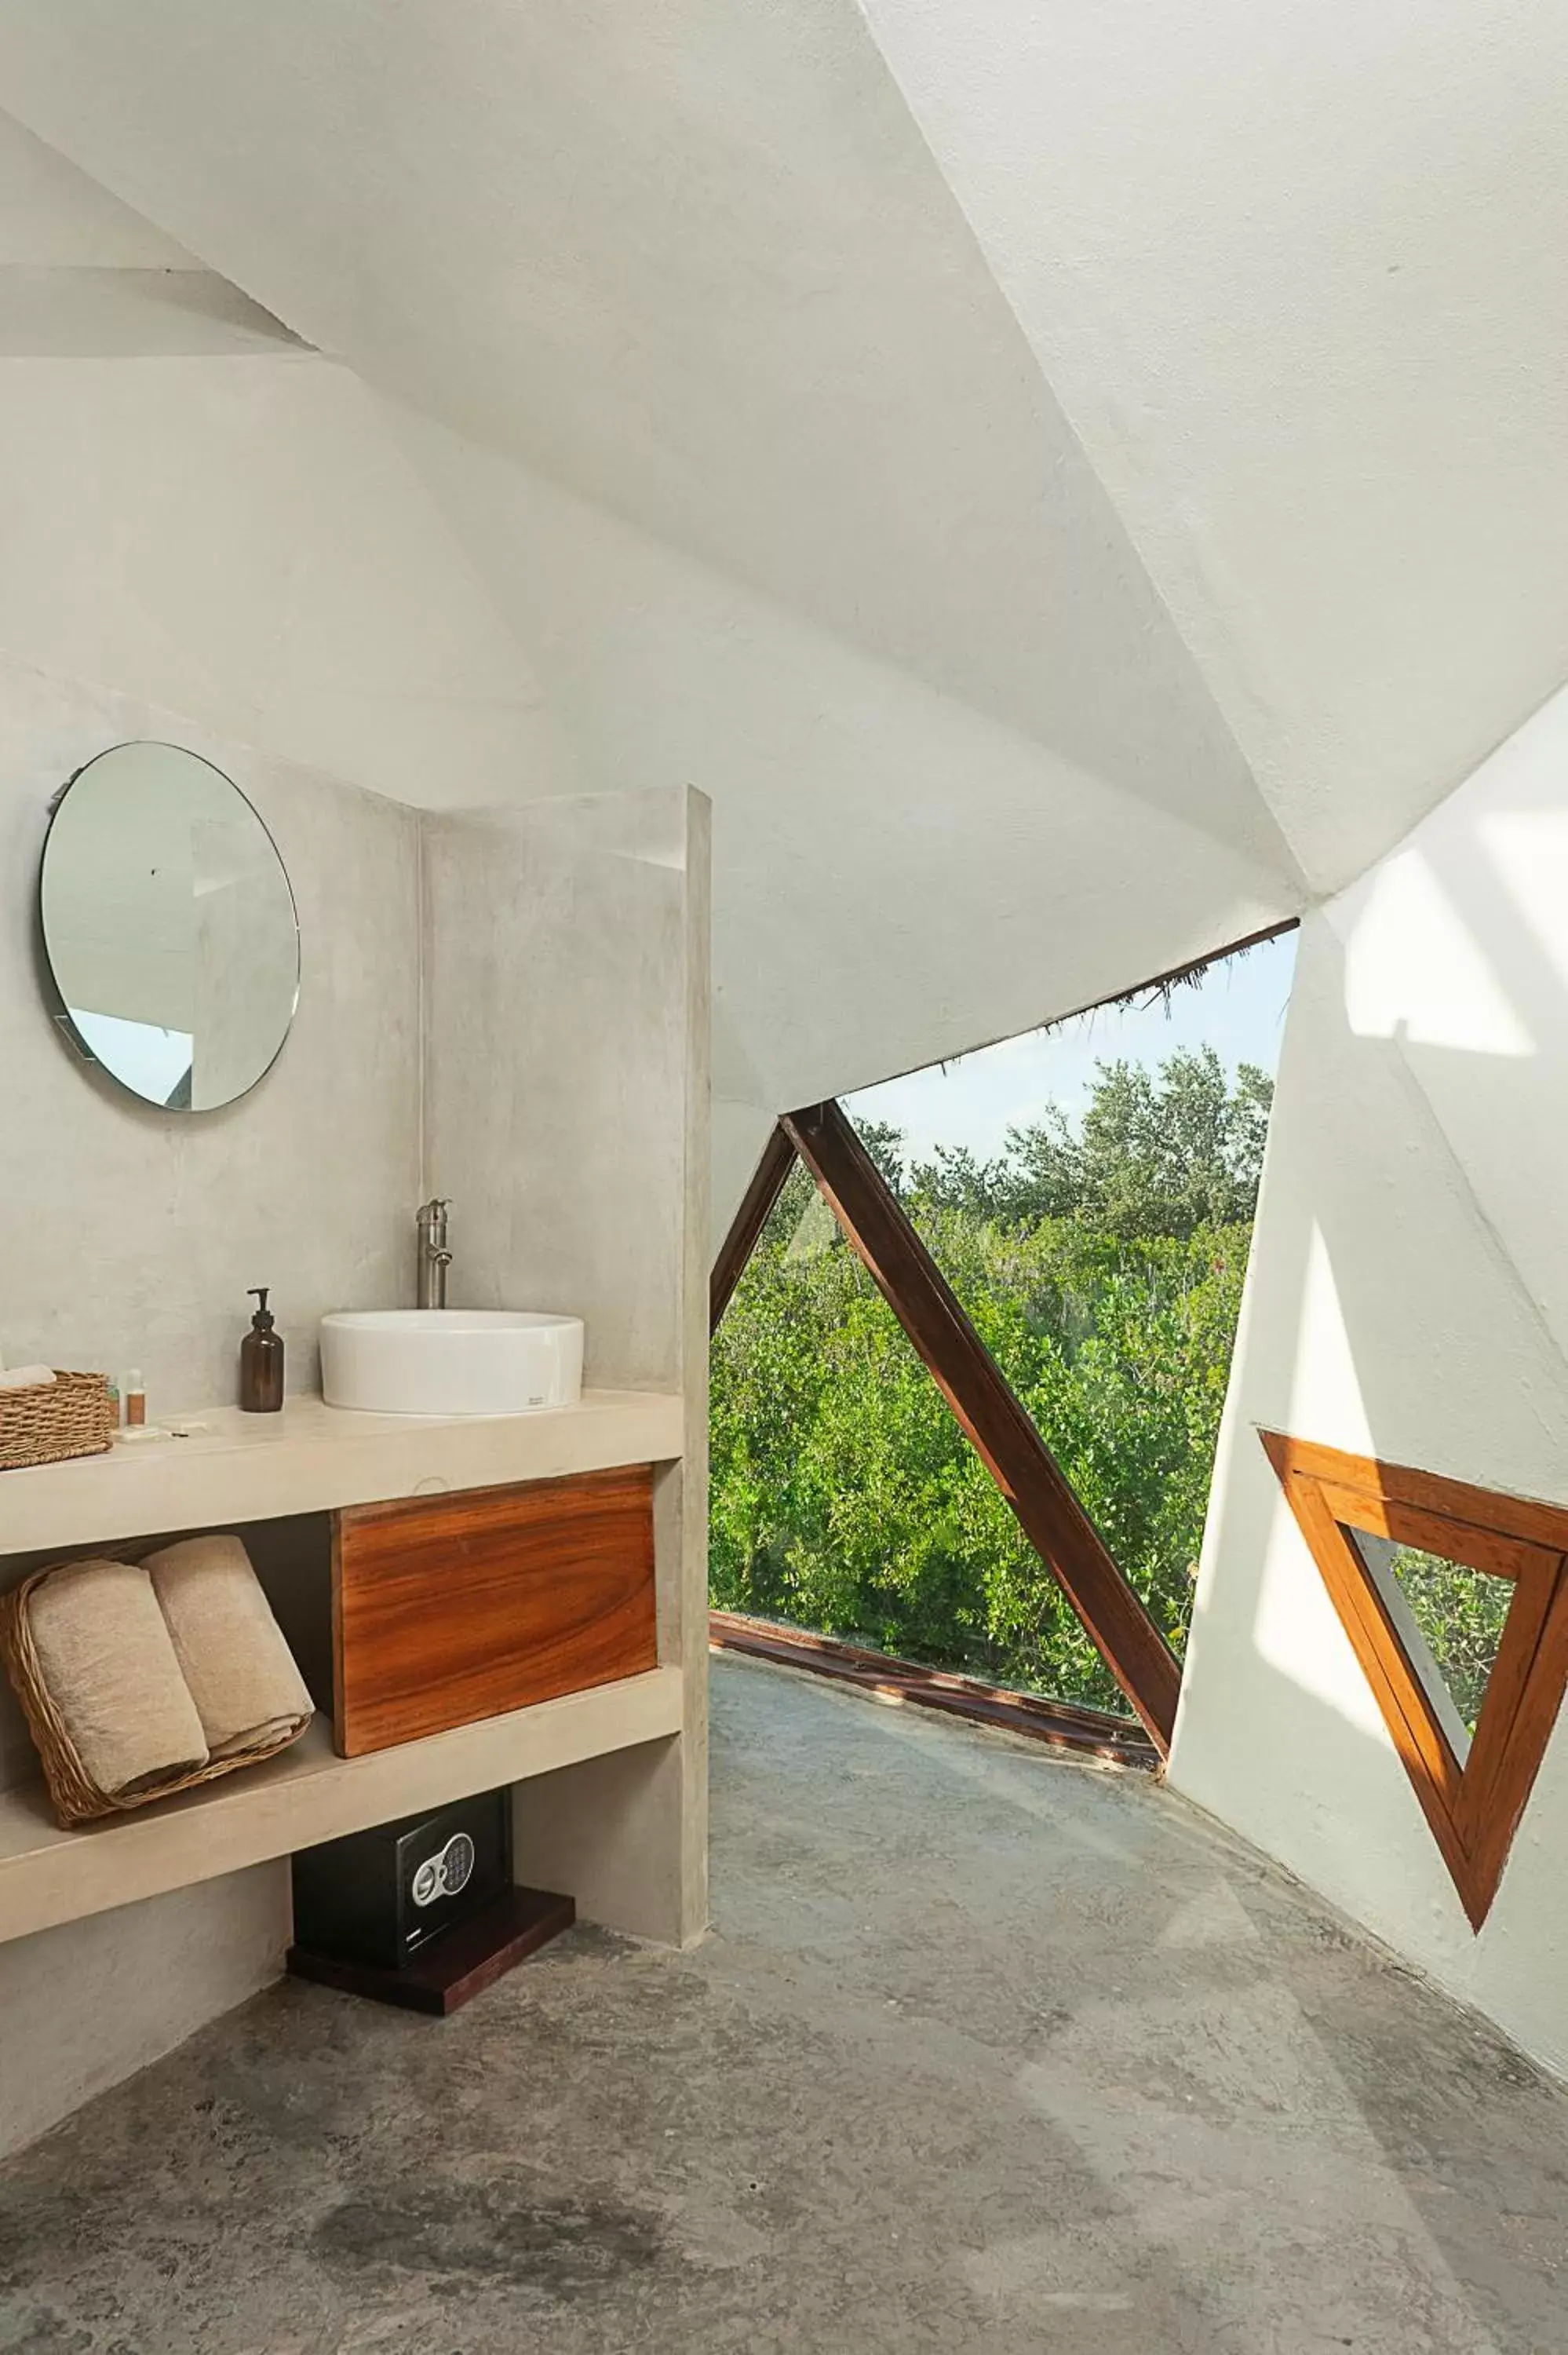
(109,1668)
(240,1672)
(27,1378)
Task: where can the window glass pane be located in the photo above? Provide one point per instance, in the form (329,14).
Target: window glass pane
(1450,1620)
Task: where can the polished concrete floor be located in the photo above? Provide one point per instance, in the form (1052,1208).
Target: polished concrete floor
(986,2052)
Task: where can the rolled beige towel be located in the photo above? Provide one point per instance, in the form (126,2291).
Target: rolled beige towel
(240,1672)
(107,1664)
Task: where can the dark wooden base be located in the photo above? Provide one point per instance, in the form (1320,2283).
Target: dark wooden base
(457,1967)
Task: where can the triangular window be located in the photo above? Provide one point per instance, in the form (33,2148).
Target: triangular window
(1455,1601)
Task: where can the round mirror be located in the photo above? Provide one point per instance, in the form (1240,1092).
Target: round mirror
(169,927)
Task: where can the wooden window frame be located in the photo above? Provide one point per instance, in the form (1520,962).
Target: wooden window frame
(1473,1806)
(1059,1724)
(1109,1610)
(768,1182)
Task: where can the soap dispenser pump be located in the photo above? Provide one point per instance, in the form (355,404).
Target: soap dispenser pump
(261,1361)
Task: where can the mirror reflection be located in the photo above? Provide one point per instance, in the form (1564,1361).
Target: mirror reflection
(169,927)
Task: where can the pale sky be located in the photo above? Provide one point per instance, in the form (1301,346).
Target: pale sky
(1238,1008)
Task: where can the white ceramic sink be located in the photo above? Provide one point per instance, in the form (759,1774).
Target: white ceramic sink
(451,1360)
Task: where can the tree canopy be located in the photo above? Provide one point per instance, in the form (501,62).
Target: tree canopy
(1156,1153)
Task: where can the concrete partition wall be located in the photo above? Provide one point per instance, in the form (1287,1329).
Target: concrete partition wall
(1408,1298)
(566,1114)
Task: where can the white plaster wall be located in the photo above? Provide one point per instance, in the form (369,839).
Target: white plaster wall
(142,1233)
(896,876)
(81,274)
(53,216)
(239,538)
(203,513)
(1406,1298)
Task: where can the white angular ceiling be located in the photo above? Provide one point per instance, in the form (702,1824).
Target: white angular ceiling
(1296,274)
(1107,464)
(53,217)
(696,261)
(82,276)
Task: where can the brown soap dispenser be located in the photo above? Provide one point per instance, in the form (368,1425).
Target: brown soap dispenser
(261,1361)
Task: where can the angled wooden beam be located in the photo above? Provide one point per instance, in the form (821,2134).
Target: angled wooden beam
(1002,1433)
(766,1185)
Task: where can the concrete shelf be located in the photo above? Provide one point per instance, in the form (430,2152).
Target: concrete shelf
(314,1458)
(309,1793)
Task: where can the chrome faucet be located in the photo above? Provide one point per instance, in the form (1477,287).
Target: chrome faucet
(434,1257)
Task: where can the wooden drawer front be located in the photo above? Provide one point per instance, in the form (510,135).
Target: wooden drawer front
(451,1608)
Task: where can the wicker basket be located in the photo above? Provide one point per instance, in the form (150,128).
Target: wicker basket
(50,1421)
(77,1797)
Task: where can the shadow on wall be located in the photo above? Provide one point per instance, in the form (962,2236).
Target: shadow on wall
(1406,1299)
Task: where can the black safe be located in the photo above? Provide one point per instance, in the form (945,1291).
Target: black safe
(382,1896)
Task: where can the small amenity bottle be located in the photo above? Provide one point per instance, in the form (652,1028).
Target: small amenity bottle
(261,1361)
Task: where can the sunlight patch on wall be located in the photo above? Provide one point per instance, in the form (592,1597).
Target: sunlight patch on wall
(1299,1637)
(1325,1386)
(1295,1628)
(1415,970)
(1529,850)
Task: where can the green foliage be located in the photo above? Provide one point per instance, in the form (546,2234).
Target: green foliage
(1104,1272)
(1460,1613)
(1158,1155)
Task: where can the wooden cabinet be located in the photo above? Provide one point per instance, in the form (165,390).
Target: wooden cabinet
(450,1608)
